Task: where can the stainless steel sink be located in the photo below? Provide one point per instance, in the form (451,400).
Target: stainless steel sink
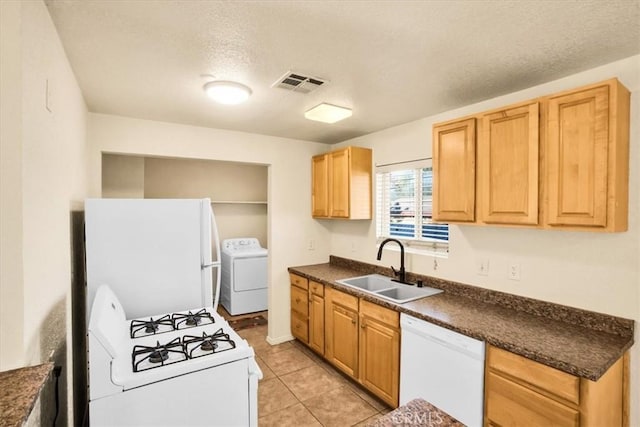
(384,287)
(371,282)
(404,293)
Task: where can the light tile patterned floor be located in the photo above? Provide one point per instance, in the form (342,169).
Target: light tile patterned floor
(300,389)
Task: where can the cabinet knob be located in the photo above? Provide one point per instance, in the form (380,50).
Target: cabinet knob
(297,299)
(353,321)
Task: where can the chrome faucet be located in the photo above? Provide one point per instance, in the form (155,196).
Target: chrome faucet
(399,273)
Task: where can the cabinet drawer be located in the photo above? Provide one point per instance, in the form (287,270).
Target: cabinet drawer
(558,383)
(299,281)
(299,327)
(316,288)
(510,404)
(380,313)
(299,301)
(344,299)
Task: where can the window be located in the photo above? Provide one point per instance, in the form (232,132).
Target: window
(404,209)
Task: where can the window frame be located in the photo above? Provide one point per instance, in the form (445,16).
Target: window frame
(416,243)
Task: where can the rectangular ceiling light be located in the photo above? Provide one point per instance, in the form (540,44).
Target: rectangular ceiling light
(328,113)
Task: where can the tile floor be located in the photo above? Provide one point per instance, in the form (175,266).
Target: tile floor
(301,389)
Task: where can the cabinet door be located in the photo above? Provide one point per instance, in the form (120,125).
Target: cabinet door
(341,337)
(320,186)
(380,359)
(454,173)
(577,156)
(508,166)
(299,314)
(511,404)
(316,323)
(339,184)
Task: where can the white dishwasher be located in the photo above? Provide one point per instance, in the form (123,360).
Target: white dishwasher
(444,368)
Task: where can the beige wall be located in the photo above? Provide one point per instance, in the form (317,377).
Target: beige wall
(11,289)
(290,226)
(122,176)
(219,181)
(594,271)
(45,181)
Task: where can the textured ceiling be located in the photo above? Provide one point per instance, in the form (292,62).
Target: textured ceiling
(391,61)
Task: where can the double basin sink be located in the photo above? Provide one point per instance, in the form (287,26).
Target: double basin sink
(384,287)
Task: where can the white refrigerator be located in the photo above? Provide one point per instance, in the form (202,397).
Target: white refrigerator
(157,255)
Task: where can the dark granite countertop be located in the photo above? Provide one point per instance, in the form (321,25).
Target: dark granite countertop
(19,390)
(575,341)
(417,412)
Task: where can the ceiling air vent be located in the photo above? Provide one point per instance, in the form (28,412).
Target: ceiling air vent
(297,82)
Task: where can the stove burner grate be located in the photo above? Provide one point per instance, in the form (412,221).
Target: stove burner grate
(207,344)
(145,357)
(141,328)
(189,320)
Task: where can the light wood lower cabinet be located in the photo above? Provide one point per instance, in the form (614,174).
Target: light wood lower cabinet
(316,317)
(521,392)
(380,351)
(299,308)
(341,331)
(360,338)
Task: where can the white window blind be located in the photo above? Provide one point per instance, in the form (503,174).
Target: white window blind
(404,207)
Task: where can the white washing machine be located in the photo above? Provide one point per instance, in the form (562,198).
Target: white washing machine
(243,283)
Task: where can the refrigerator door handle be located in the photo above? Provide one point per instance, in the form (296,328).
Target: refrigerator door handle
(218,262)
(211,264)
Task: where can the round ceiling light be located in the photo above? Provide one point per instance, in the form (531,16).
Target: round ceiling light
(228,93)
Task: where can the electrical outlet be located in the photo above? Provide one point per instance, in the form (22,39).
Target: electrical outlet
(312,245)
(353,247)
(482,266)
(514,271)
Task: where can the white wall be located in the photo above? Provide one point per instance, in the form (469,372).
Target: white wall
(46,180)
(290,226)
(594,271)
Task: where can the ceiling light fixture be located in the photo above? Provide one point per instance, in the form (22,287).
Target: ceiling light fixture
(226,92)
(328,113)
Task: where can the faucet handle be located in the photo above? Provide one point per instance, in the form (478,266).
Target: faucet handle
(395,272)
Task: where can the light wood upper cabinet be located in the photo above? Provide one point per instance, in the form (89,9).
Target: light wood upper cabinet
(588,156)
(508,165)
(342,184)
(339,172)
(555,162)
(454,174)
(320,185)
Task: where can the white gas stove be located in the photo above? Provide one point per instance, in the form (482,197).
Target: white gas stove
(183,369)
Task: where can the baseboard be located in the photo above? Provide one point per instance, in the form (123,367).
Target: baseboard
(279,340)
